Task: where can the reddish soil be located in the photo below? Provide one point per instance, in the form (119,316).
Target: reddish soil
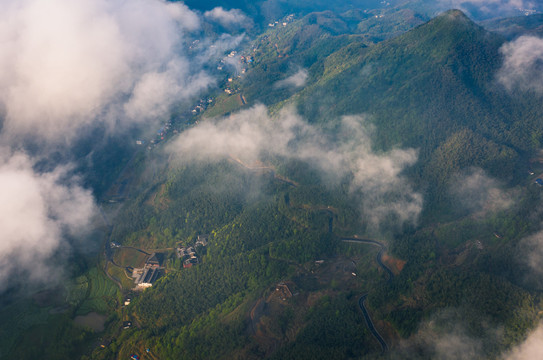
(394,264)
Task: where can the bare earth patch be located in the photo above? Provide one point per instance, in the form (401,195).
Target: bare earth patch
(394,264)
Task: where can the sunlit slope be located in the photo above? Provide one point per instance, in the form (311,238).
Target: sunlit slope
(426,88)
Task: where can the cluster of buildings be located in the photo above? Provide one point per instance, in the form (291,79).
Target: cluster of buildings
(163,131)
(167,127)
(188,254)
(160,135)
(528,12)
(146,276)
(227,60)
(231,59)
(285,21)
(201,105)
(283,290)
(194,44)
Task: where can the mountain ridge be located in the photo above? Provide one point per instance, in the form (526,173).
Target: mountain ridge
(426,86)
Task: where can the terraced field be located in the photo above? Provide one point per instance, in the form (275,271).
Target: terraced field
(102,294)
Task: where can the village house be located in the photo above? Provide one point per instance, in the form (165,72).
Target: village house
(202,240)
(127,324)
(181,252)
(188,263)
(189,255)
(146,276)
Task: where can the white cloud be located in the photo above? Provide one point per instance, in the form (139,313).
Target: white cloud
(531,348)
(523,64)
(228,18)
(67,64)
(73,65)
(494,7)
(532,251)
(156,91)
(36,213)
(252,133)
(295,80)
(186,18)
(457,346)
(479,193)
(445,336)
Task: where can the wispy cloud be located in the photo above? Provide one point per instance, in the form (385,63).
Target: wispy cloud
(531,348)
(295,80)
(67,64)
(489,7)
(522,67)
(375,177)
(229,18)
(480,194)
(446,335)
(531,254)
(38,211)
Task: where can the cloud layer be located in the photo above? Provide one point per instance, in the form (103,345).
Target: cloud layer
(66,64)
(347,154)
(38,211)
(489,7)
(522,67)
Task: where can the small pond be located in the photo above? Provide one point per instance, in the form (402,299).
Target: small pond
(92,320)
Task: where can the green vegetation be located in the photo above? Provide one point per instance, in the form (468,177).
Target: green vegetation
(129,257)
(335,330)
(275,231)
(21,316)
(44,327)
(121,275)
(225,104)
(432,89)
(429,89)
(59,338)
(516,26)
(101,293)
(275,279)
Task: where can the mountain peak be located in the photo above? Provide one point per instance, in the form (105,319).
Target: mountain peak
(454,17)
(446,31)
(454,14)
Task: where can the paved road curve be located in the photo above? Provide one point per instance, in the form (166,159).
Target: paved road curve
(379,259)
(372,328)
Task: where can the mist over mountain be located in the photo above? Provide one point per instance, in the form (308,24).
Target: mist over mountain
(271,179)
(426,94)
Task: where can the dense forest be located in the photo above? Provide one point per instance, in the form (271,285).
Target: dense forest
(430,89)
(291,247)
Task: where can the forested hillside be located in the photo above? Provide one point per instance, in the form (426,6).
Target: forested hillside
(356,183)
(282,274)
(433,88)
